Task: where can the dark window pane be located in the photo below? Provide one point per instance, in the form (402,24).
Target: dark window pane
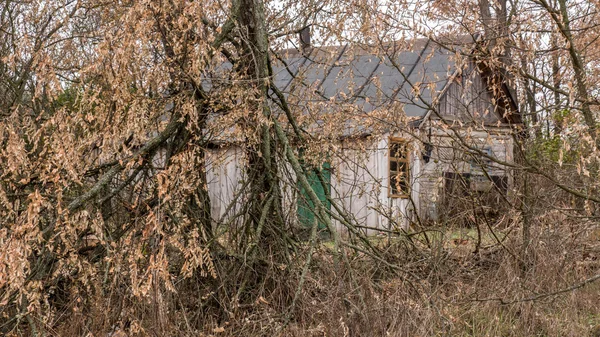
(397,150)
(393,184)
(398,168)
(457,184)
(403,186)
(501,183)
(394,148)
(398,183)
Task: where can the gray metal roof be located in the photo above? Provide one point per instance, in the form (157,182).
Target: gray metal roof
(359,81)
(368,80)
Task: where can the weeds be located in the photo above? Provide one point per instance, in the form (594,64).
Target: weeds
(441,290)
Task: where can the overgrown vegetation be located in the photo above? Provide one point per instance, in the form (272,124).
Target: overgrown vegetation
(440,289)
(117,118)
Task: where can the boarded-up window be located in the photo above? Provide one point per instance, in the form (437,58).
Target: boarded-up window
(399,170)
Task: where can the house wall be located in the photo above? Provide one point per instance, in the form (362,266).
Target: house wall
(224,174)
(226,184)
(468,99)
(468,105)
(449,156)
(361,185)
(360,177)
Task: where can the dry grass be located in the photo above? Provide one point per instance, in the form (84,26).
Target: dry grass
(441,289)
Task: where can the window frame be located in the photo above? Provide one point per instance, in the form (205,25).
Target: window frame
(403,142)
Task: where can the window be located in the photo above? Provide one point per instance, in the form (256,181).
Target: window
(398,168)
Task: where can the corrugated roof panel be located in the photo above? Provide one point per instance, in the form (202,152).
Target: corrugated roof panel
(357,76)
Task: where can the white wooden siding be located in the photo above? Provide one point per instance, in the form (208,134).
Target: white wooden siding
(224,173)
(360,179)
(468,99)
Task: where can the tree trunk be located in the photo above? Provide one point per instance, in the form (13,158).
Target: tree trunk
(564,25)
(262,161)
(558,126)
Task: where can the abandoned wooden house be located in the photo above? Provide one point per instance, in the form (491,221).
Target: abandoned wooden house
(419,122)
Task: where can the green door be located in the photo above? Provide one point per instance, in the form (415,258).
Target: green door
(306,208)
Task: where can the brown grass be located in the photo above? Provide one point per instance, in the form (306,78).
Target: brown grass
(441,289)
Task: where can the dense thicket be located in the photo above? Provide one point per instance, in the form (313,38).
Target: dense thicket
(108,113)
